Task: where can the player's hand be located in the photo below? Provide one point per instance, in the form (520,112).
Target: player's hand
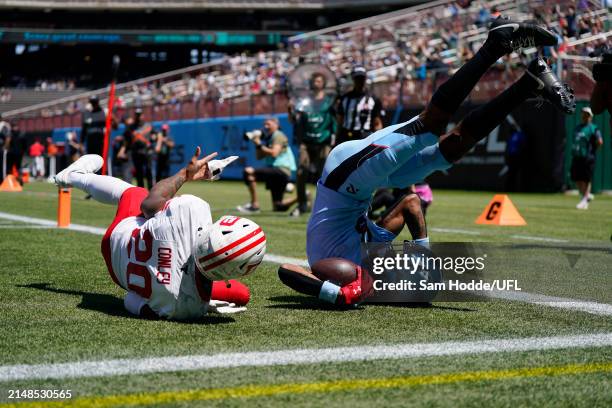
(223,307)
(197,169)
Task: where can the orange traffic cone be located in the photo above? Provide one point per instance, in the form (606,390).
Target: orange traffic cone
(63,207)
(501,211)
(10,183)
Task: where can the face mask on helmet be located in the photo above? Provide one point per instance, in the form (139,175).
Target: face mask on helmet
(235,247)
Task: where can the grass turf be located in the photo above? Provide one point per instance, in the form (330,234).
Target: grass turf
(58,304)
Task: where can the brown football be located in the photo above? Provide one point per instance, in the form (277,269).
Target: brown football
(338,270)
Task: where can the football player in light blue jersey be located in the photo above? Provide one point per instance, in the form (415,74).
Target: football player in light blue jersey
(406,153)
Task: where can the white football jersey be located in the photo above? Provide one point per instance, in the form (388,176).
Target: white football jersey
(152,257)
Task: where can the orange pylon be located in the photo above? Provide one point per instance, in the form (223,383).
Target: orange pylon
(10,183)
(501,211)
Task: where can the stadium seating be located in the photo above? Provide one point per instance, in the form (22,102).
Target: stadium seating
(407,54)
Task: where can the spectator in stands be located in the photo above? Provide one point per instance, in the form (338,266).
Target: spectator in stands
(163,148)
(587,139)
(359,112)
(37,165)
(272,146)
(5,95)
(315,129)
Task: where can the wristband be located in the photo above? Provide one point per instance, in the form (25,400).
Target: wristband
(329,292)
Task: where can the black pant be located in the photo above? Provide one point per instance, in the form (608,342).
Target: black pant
(276,181)
(142,167)
(162,170)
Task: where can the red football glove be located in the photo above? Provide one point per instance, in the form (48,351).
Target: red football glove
(358,290)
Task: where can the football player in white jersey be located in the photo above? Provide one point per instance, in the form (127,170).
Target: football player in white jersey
(164,249)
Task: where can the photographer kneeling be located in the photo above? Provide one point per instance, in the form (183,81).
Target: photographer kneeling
(272,146)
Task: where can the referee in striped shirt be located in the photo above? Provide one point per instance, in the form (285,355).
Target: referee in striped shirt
(359,112)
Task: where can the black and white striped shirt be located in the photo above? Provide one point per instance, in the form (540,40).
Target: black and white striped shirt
(359,110)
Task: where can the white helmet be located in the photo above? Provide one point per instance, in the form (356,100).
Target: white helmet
(236,246)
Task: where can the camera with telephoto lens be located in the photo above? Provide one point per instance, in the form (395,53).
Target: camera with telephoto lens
(252,134)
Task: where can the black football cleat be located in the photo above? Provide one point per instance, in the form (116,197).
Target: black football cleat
(550,88)
(511,35)
(602,71)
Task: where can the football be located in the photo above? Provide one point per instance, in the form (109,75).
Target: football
(337,270)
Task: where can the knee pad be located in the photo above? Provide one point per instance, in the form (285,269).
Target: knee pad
(237,292)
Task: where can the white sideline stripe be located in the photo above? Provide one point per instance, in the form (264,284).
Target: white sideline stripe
(516,236)
(563,303)
(278,259)
(50,223)
(24,226)
(300,356)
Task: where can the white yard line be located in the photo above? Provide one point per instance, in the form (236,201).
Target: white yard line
(24,226)
(563,303)
(106,368)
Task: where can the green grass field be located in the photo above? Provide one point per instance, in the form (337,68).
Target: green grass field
(59,305)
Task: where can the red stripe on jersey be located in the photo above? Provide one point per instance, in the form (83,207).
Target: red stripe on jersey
(230,246)
(235,254)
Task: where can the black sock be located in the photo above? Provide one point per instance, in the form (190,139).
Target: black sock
(451,93)
(482,120)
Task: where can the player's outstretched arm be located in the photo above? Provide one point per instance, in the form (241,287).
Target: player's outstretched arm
(197,169)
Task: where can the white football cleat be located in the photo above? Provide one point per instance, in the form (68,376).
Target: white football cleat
(583,205)
(216,166)
(89,163)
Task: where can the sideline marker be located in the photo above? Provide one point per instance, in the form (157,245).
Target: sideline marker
(63,207)
(501,211)
(10,183)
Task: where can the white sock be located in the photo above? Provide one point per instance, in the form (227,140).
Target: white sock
(104,189)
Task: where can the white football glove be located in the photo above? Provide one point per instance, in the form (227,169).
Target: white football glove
(216,166)
(223,307)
